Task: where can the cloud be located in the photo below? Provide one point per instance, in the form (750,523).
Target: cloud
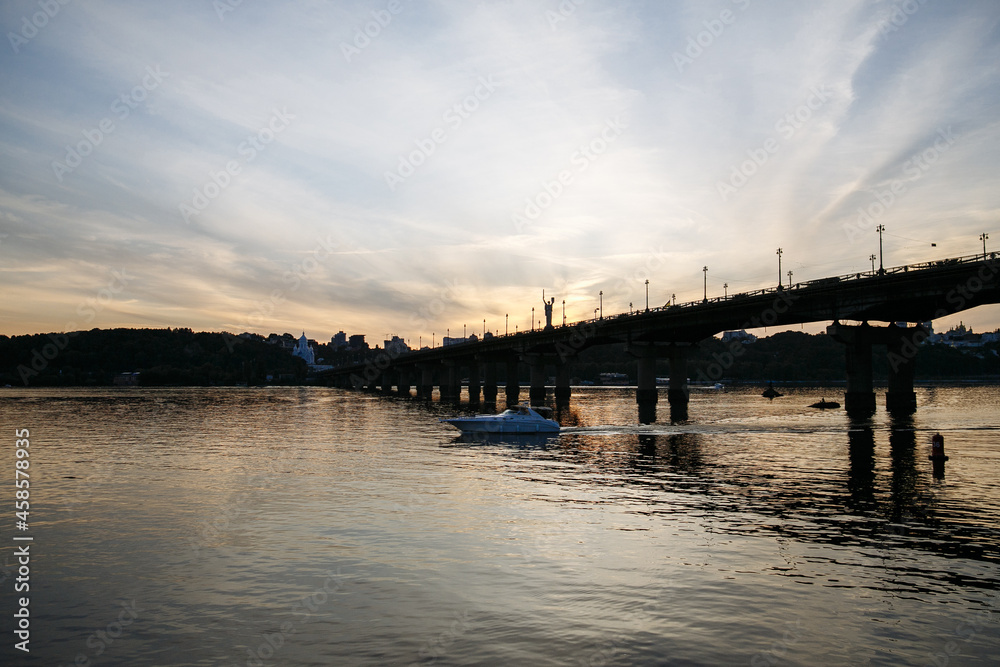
(478,108)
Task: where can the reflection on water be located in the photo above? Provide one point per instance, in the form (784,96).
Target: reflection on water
(307,526)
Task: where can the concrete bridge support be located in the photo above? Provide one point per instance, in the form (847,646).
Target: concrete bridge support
(563,390)
(490,381)
(646,395)
(451,384)
(901,351)
(405,380)
(387,380)
(513,389)
(536,365)
(678,393)
(473,381)
(859,400)
(425,389)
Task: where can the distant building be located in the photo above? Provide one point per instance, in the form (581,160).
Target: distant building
(339,340)
(357,342)
(395,346)
(740,336)
(447,340)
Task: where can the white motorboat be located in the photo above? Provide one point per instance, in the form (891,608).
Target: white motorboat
(520,419)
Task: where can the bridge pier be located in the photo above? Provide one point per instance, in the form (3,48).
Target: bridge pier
(859,399)
(901,350)
(536,367)
(490,381)
(425,389)
(405,376)
(646,393)
(678,393)
(513,388)
(563,390)
(473,381)
(451,385)
(387,380)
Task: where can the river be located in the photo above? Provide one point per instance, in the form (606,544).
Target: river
(314,526)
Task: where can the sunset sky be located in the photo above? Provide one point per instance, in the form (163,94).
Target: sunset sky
(411,167)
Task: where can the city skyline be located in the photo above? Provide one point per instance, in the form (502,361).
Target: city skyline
(400,167)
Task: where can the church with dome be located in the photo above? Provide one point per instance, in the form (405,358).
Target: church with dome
(304,350)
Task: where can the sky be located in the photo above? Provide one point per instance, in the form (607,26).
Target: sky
(429,168)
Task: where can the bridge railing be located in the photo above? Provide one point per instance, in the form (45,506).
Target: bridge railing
(810,284)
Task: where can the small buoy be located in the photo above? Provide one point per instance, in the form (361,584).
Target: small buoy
(937,448)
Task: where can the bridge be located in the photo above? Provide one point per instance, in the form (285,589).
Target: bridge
(911,293)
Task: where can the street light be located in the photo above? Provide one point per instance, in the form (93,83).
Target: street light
(595,312)
(725,290)
(789,279)
(564,312)
(881,255)
(705,271)
(505,330)
(873,258)
(647,295)
(673,299)
(779,268)
(532,318)
(601,295)
(983,237)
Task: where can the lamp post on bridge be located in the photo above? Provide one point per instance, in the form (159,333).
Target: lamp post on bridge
(705,271)
(673,299)
(564,312)
(789,279)
(505,319)
(601,295)
(779,268)
(881,254)
(983,237)
(725,291)
(647,295)
(872,259)
(532,318)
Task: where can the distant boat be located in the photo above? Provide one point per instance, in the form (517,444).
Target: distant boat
(771,392)
(717,385)
(520,419)
(825,405)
